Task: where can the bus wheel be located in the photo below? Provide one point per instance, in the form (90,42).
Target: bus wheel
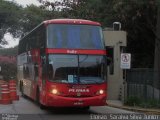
(38,100)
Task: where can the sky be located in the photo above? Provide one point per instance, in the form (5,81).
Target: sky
(12,42)
(26,2)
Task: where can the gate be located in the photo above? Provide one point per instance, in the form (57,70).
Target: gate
(143,83)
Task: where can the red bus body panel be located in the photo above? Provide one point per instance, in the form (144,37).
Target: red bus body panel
(75,51)
(68,97)
(71,21)
(85,95)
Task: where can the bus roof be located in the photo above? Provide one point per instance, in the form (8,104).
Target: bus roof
(71,21)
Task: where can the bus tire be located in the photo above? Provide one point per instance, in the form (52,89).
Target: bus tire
(38,100)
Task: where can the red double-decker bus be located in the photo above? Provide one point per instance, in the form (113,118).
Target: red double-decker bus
(62,63)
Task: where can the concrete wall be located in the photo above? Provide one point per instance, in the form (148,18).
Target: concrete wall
(112,38)
(116,85)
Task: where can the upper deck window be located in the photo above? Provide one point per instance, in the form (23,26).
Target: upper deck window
(74,36)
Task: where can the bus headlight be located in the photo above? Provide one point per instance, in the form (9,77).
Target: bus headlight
(54,91)
(100,92)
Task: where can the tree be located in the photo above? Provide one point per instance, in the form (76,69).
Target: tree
(8,70)
(10,16)
(18,20)
(139,18)
(9,51)
(32,16)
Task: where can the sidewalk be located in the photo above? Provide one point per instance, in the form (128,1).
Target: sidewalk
(119,104)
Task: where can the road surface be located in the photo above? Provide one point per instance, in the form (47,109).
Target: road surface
(26,109)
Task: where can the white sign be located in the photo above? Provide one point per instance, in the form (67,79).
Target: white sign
(70,78)
(125,60)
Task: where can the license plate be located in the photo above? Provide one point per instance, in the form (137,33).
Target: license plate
(78,103)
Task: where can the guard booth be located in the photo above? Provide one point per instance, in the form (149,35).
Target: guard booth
(115,41)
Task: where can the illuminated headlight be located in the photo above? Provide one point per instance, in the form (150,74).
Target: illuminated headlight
(54,91)
(100,92)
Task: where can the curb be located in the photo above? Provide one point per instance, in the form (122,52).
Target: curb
(147,111)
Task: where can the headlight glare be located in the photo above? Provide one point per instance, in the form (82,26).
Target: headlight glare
(54,91)
(100,92)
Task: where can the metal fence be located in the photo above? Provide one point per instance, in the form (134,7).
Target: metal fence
(143,83)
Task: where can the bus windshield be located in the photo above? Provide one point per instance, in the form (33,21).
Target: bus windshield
(83,69)
(74,36)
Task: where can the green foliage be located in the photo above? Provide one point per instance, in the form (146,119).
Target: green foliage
(32,16)
(8,70)
(19,21)
(136,101)
(10,15)
(9,51)
(150,104)
(140,23)
(133,101)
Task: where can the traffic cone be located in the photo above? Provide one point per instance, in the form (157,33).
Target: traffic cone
(13,90)
(4,94)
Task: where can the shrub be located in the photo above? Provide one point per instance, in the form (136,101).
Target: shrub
(133,101)
(8,70)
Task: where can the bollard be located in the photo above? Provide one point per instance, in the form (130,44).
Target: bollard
(5,94)
(13,90)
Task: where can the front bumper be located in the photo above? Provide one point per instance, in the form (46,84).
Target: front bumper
(59,101)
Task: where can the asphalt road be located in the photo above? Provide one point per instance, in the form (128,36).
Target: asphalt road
(26,109)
